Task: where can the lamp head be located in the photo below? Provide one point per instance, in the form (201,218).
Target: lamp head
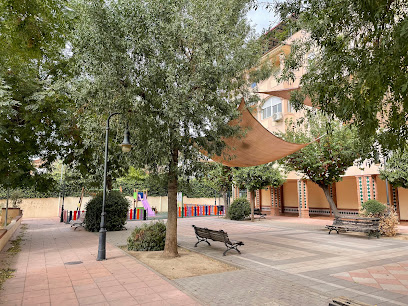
(126,145)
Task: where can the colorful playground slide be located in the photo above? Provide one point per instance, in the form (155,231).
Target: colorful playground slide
(150,212)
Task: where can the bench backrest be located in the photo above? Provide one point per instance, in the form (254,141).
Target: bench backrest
(204,232)
(357,221)
(219,236)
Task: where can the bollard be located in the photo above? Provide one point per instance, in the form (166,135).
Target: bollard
(75,215)
(144,215)
(130,214)
(70,216)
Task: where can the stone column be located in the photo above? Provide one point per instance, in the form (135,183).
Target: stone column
(303,199)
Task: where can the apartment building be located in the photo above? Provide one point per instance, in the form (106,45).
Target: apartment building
(303,197)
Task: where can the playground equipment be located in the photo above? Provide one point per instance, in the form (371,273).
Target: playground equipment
(142,197)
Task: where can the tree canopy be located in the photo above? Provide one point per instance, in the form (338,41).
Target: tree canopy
(33,104)
(324,161)
(357,64)
(257,177)
(396,169)
(179,67)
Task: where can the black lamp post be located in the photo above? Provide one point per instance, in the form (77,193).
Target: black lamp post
(126,146)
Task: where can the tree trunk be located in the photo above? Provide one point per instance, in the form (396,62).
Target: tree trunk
(252,197)
(333,207)
(170,247)
(224,197)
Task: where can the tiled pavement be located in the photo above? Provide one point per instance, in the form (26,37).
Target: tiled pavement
(285,261)
(291,261)
(57,266)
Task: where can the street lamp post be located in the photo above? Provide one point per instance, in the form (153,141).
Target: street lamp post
(126,146)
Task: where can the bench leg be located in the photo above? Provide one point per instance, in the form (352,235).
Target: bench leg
(234,247)
(200,240)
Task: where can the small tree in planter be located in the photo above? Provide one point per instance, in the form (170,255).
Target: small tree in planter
(324,161)
(116,207)
(258,177)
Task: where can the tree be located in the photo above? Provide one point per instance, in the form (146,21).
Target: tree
(33,105)
(179,67)
(219,178)
(396,169)
(324,161)
(357,66)
(255,178)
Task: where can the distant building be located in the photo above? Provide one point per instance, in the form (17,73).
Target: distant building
(303,197)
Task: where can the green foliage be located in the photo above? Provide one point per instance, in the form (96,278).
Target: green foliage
(258,177)
(324,161)
(33,104)
(358,71)
(396,169)
(148,237)
(239,209)
(116,208)
(373,208)
(175,69)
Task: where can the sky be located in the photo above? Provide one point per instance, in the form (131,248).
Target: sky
(262,18)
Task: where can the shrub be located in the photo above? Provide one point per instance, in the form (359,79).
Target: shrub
(148,237)
(373,208)
(388,223)
(239,209)
(116,208)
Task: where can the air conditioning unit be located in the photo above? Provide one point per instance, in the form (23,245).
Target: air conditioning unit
(277,117)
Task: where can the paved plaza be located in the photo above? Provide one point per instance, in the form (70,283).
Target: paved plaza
(285,261)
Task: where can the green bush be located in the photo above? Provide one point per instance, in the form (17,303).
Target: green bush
(148,237)
(373,208)
(239,209)
(116,208)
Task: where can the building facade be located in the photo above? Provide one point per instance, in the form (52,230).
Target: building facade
(303,197)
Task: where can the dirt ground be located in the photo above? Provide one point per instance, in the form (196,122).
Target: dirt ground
(186,265)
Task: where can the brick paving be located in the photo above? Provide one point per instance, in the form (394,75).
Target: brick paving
(57,266)
(285,261)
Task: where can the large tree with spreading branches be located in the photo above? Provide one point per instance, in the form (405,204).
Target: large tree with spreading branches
(357,63)
(175,69)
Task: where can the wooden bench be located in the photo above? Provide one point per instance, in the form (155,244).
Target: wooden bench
(203,234)
(371,226)
(79,222)
(257,212)
(343,301)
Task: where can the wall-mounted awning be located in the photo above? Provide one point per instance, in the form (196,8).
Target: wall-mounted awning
(257,147)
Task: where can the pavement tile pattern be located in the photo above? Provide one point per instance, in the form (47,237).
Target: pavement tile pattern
(285,261)
(392,277)
(57,266)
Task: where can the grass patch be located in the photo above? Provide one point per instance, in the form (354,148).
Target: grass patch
(5,271)
(4,275)
(16,243)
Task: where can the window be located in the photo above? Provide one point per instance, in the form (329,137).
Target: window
(271,106)
(242,193)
